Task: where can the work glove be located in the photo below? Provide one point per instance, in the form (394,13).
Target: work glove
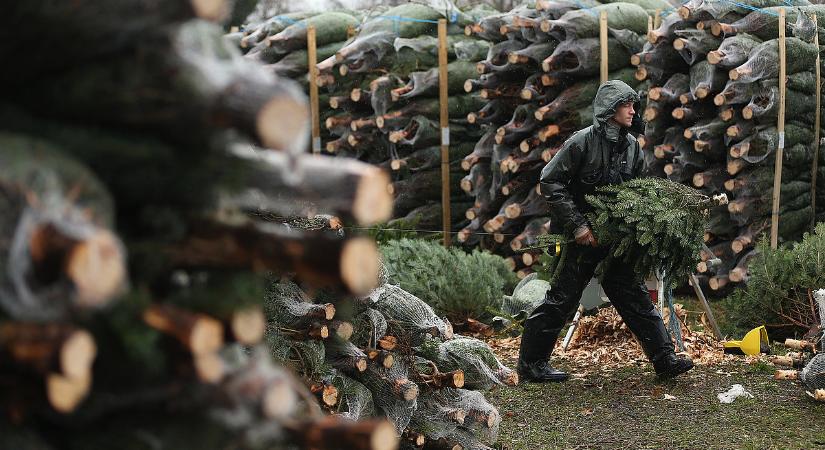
(584,236)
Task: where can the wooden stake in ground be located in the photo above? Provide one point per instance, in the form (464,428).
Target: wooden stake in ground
(705,306)
(313,90)
(445,130)
(780,128)
(817,119)
(603,46)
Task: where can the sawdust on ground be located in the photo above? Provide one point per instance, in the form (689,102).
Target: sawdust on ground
(603,343)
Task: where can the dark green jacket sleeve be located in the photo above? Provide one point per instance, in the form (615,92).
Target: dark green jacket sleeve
(556,180)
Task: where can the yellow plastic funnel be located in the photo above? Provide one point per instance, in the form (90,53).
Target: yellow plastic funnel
(754,343)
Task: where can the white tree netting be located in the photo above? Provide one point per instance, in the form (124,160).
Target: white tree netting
(482,369)
(392,391)
(408,316)
(354,399)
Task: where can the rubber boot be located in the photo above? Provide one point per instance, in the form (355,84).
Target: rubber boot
(533,365)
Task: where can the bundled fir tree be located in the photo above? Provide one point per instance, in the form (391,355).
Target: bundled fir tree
(472,288)
(780,286)
(399,360)
(653,223)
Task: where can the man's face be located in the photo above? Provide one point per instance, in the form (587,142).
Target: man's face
(624,114)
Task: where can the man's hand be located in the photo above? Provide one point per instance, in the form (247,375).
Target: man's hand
(584,236)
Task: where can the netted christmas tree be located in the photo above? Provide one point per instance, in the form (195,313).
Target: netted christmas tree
(652,223)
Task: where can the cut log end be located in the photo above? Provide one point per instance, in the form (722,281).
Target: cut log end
(702,92)
(678,113)
(786,375)
(727,114)
(96,267)
(719,100)
(282,123)
(468,86)
(212,10)
(684,12)
(388,342)
(209,367)
(248,326)
(207,336)
(77,354)
(747,112)
(715,56)
(66,393)
(344,330)
(698,180)
(800,345)
(373,203)
(359,265)
(512,211)
(641,74)
(279,400)
(679,44)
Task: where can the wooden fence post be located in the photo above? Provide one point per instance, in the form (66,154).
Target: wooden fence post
(780,128)
(445,130)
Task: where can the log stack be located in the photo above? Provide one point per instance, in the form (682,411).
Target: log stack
(388,355)
(712,118)
(539,79)
(378,80)
(138,211)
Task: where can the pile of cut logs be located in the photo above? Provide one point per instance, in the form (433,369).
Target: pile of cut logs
(710,69)
(378,76)
(712,120)
(137,211)
(388,354)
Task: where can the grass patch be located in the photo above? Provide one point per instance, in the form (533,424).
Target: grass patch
(628,408)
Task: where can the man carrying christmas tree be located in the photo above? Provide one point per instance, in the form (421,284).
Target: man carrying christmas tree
(604,153)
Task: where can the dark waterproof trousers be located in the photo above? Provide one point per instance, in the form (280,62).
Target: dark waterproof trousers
(622,285)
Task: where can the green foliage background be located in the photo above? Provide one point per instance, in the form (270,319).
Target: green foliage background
(455,283)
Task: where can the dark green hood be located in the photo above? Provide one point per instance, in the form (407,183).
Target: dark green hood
(612,93)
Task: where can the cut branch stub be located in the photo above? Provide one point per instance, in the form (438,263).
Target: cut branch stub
(198,333)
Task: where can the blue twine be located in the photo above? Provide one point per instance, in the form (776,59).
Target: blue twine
(405,19)
(588,9)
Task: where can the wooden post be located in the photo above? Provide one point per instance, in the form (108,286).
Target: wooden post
(445,130)
(780,128)
(312,57)
(603,45)
(815,166)
(657,19)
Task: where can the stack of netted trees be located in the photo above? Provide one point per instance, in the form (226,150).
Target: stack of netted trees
(539,80)
(388,354)
(136,207)
(379,92)
(712,119)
